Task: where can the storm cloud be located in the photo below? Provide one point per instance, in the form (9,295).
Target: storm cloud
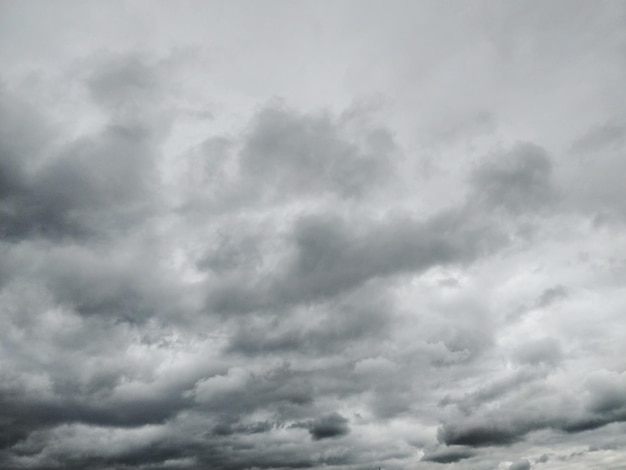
(277,236)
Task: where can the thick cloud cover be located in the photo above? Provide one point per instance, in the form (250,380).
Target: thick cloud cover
(293,235)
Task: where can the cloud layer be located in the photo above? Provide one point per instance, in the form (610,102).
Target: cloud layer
(312,237)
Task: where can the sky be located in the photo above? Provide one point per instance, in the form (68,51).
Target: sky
(283,235)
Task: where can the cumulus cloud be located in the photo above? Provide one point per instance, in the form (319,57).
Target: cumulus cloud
(511,418)
(295,236)
(287,151)
(332,256)
(83,187)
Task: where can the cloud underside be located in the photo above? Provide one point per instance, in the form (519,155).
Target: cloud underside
(303,288)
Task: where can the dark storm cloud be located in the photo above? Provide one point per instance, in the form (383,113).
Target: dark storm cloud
(316,284)
(21,415)
(163,455)
(333,256)
(604,403)
(329,426)
(78,188)
(98,183)
(227,429)
(448,455)
(480,434)
(162,447)
(78,385)
(518,180)
(607,393)
(19,150)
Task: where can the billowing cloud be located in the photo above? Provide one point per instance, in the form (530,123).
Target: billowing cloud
(512,419)
(283,236)
(288,151)
(78,188)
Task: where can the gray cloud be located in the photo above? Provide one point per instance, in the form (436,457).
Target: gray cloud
(551,295)
(518,180)
(82,188)
(542,351)
(333,256)
(480,434)
(520,465)
(607,393)
(610,134)
(282,152)
(334,241)
(496,390)
(121,83)
(513,419)
(288,151)
(543,458)
(591,182)
(339,325)
(226,429)
(448,455)
(329,427)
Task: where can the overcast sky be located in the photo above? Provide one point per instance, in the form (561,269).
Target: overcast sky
(312,234)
